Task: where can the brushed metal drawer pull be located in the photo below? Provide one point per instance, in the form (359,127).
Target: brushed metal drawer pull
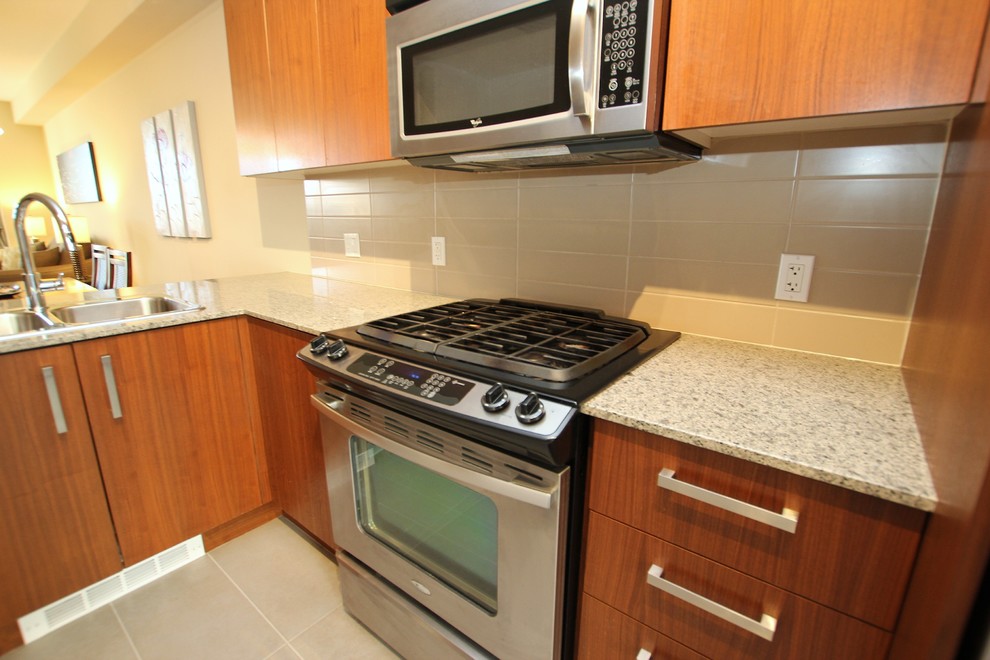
(764,628)
(54,400)
(786,520)
(111,382)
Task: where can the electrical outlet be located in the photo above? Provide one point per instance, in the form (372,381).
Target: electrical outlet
(794,277)
(439,251)
(352,245)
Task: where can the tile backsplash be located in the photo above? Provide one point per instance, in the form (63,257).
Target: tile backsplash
(692,247)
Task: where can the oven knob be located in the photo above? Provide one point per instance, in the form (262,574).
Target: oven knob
(495,398)
(337,350)
(319,344)
(530,410)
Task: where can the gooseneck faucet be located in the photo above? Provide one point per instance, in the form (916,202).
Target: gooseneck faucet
(32,285)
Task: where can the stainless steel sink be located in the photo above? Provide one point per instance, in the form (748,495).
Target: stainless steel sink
(18,321)
(102,311)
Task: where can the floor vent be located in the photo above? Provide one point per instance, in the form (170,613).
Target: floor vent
(39,623)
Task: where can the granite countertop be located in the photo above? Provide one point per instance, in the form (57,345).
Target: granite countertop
(840,421)
(843,422)
(305,303)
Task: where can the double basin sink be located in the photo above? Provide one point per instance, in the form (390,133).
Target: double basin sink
(19,321)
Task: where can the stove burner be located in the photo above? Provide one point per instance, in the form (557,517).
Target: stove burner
(536,340)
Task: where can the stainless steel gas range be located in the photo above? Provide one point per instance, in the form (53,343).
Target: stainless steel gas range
(455,455)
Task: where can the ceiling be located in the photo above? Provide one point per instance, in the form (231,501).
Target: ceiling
(54,51)
(30,29)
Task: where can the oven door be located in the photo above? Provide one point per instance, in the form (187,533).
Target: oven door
(473,535)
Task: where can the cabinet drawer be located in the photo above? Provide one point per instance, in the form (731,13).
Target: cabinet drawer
(849,551)
(619,559)
(605,632)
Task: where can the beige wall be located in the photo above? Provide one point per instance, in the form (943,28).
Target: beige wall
(694,248)
(258,225)
(24,166)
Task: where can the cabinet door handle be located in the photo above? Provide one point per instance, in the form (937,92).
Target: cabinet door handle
(786,520)
(111,382)
(643,655)
(764,628)
(48,373)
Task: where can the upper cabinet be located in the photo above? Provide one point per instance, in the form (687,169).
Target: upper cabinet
(309,83)
(770,60)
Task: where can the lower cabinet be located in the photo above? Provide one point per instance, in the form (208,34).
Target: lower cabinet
(55,531)
(292,428)
(736,560)
(174,419)
(117,448)
(624,557)
(605,632)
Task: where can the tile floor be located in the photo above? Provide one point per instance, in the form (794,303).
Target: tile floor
(267,594)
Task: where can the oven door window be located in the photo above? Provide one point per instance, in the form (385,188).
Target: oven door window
(443,527)
(502,69)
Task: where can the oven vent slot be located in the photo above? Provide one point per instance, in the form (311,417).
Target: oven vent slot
(359,411)
(529,476)
(476,461)
(429,443)
(330,397)
(395,426)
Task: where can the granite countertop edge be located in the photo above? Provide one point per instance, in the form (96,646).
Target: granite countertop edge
(924,500)
(714,394)
(844,422)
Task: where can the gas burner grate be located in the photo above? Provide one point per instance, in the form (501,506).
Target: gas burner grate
(532,339)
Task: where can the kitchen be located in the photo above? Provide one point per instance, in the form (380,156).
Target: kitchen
(863,301)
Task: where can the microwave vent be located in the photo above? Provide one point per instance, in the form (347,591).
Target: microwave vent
(620,150)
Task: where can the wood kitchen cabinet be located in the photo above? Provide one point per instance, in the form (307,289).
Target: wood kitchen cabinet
(292,428)
(250,81)
(174,420)
(769,60)
(309,83)
(607,633)
(56,535)
(834,584)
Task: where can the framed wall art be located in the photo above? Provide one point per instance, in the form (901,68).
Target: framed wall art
(77,172)
(171,152)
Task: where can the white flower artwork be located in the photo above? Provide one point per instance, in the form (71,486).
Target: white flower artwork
(171,149)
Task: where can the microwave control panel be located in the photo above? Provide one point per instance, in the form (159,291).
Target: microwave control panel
(625,33)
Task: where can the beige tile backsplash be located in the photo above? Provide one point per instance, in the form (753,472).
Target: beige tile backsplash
(687,247)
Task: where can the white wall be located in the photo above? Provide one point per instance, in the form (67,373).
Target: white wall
(258,225)
(23,166)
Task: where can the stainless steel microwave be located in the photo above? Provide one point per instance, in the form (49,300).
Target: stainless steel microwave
(510,84)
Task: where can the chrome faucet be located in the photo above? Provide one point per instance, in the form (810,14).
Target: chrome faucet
(32,284)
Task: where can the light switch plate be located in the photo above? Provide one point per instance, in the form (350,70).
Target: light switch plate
(439,245)
(352,245)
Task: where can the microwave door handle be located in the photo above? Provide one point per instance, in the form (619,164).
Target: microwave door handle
(577,46)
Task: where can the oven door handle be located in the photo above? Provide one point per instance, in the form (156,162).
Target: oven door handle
(512,490)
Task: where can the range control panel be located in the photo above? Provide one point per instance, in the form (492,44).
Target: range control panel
(431,385)
(624,37)
(488,402)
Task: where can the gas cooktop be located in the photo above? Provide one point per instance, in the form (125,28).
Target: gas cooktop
(509,373)
(569,352)
(552,343)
